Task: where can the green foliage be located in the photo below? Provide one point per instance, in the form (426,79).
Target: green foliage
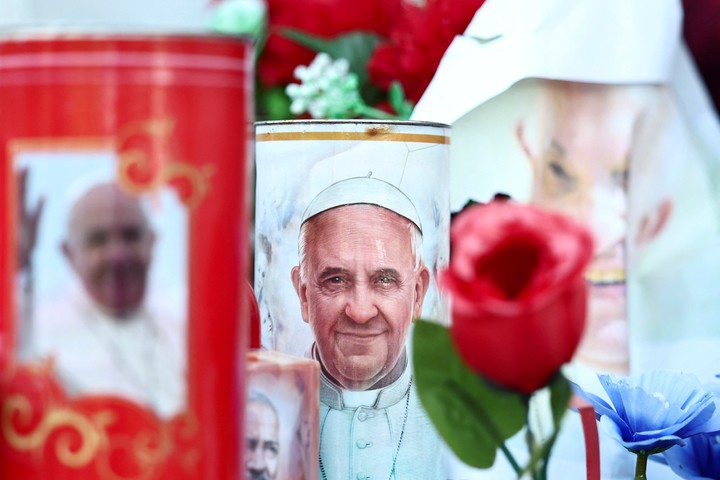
(356,47)
(239,18)
(396,97)
(272,104)
(560,393)
(483,41)
(472,415)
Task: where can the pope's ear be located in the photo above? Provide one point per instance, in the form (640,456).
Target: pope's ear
(521,136)
(301,290)
(421,287)
(67,252)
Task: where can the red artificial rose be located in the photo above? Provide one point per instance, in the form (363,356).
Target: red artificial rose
(418,42)
(324,18)
(517,291)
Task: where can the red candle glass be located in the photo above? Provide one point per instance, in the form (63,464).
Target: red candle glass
(124,161)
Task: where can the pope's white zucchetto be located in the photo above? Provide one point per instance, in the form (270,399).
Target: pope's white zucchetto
(363,190)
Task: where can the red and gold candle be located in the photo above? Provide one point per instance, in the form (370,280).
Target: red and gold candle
(124,213)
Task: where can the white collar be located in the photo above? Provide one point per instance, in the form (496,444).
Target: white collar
(338,398)
(93,313)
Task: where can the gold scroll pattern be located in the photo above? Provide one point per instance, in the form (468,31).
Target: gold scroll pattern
(149,449)
(187,430)
(84,441)
(91,431)
(144,164)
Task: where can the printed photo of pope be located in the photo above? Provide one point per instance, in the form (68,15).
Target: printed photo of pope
(361,281)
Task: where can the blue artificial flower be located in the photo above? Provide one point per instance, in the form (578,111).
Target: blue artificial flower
(655,410)
(698,460)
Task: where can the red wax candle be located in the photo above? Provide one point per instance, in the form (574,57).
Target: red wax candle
(123,178)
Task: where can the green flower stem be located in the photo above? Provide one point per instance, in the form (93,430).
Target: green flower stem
(371,112)
(641,466)
(535,472)
(546,461)
(510,458)
(546,448)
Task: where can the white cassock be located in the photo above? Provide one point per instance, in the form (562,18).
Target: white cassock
(381,434)
(141,357)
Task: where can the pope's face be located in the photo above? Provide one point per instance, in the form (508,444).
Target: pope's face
(580,164)
(109,246)
(262,443)
(360,291)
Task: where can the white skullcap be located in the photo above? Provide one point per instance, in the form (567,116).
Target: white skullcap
(363,190)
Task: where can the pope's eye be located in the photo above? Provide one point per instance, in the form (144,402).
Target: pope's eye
(386,280)
(335,280)
(97,238)
(558,171)
(563,179)
(271,448)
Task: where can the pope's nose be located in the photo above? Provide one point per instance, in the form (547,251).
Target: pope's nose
(361,306)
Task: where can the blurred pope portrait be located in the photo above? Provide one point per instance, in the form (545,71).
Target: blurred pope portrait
(361,281)
(106,334)
(281,436)
(580,157)
(262,438)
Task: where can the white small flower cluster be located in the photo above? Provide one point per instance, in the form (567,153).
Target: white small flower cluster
(327,89)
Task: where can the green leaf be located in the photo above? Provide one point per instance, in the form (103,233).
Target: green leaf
(356,47)
(560,393)
(396,94)
(396,97)
(483,41)
(372,95)
(272,104)
(239,18)
(473,416)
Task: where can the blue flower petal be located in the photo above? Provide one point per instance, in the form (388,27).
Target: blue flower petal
(713,425)
(699,459)
(602,409)
(661,398)
(612,386)
(610,428)
(655,410)
(694,423)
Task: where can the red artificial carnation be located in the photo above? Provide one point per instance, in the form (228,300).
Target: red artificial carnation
(701,26)
(517,291)
(418,43)
(324,18)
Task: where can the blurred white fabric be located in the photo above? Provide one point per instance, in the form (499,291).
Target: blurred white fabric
(485,86)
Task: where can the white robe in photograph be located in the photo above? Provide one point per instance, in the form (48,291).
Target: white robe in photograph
(141,357)
(364,434)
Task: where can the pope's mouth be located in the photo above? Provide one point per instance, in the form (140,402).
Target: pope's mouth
(606,276)
(359,337)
